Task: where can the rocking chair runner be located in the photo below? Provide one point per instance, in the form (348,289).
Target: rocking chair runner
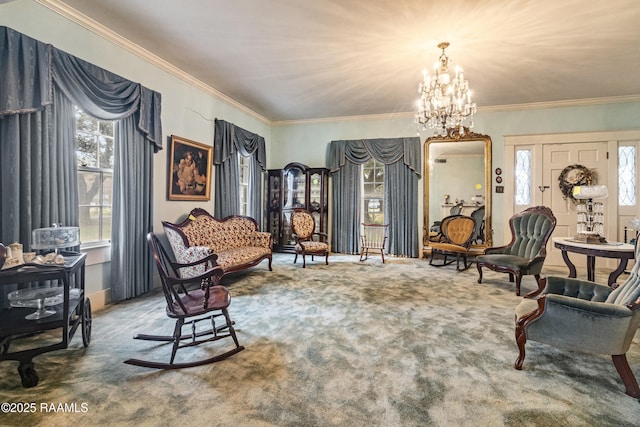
(208,303)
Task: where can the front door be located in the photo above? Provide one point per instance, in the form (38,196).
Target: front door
(556,157)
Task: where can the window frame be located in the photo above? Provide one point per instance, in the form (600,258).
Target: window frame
(103,173)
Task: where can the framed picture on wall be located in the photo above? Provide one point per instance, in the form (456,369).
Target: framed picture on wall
(190,165)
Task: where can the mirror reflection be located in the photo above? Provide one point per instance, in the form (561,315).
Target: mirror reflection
(458,182)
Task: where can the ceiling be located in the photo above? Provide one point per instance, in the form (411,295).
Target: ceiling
(289,60)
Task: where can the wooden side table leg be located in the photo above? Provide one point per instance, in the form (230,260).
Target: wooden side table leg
(618,271)
(591,268)
(572,268)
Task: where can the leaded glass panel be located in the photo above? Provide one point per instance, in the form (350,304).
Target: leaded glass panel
(627,176)
(523,177)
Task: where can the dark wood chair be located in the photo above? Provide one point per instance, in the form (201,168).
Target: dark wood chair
(457,232)
(525,254)
(307,240)
(208,302)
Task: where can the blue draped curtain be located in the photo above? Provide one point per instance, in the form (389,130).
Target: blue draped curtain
(39,87)
(401,157)
(230,141)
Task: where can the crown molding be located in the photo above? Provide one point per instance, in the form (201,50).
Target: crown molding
(491,109)
(111,36)
(104,32)
(562,104)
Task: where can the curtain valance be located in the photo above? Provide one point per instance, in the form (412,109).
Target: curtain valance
(36,66)
(228,138)
(384,150)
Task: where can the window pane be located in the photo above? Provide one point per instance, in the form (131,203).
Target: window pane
(89,223)
(94,150)
(88,188)
(107,189)
(627,176)
(373,192)
(523,177)
(106,128)
(86,150)
(106,152)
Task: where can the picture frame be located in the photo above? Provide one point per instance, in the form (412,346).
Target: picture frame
(190,168)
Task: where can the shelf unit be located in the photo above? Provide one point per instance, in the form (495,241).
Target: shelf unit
(295,186)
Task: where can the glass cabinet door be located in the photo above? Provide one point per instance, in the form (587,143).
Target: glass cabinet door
(315,192)
(294,189)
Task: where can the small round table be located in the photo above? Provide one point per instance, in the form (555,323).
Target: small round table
(622,251)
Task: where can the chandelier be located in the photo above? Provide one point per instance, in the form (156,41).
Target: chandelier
(444,103)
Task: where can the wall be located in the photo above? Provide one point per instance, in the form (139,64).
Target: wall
(189,111)
(309,141)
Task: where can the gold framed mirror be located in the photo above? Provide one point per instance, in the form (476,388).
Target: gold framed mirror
(458,174)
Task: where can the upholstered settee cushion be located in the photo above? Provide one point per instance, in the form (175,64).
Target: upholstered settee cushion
(239,256)
(235,240)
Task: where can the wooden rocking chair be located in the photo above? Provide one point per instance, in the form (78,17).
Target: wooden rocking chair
(374,237)
(208,303)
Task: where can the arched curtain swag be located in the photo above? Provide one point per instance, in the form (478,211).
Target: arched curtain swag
(402,160)
(228,140)
(38,88)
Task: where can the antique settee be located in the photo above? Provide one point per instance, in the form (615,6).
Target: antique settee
(235,239)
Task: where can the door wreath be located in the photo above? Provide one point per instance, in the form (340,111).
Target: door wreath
(572,176)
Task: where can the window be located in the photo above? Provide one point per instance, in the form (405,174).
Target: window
(627,175)
(523,177)
(94,152)
(373,192)
(243,171)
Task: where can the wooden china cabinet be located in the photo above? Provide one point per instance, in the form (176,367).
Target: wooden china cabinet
(295,186)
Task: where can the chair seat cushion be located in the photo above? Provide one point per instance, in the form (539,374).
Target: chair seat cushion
(218,298)
(312,247)
(448,247)
(510,261)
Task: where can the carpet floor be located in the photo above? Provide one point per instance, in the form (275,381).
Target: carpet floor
(346,344)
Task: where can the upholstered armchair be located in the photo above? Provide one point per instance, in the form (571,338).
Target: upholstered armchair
(435,231)
(457,232)
(307,240)
(525,254)
(584,316)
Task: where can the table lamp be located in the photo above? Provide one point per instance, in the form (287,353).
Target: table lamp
(590,227)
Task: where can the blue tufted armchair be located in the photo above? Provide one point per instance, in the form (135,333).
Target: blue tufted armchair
(525,254)
(579,315)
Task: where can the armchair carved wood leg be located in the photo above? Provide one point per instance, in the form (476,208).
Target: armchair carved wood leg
(326,258)
(518,282)
(479,266)
(296,258)
(521,332)
(625,372)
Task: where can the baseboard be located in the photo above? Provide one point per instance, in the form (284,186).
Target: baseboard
(100,299)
